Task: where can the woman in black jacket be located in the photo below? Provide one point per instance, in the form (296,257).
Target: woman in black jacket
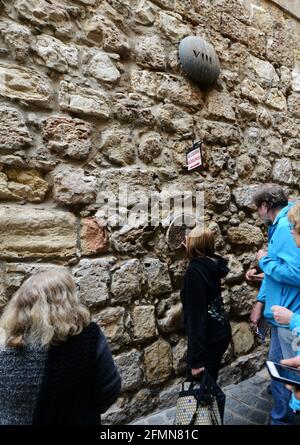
(207,327)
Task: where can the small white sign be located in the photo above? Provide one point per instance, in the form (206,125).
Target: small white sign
(194,158)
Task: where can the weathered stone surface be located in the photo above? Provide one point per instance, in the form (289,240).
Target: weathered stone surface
(285,171)
(144,13)
(242,338)
(296,78)
(244,166)
(150,53)
(294,104)
(251,90)
(104,33)
(25,85)
(17,37)
(102,67)
(115,323)
(179,356)
(234,29)
(127,281)
(173,119)
(54,54)
(172,26)
(157,276)
(133,108)
(3,294)
(118,145)
(83,100)
(172,320)
(93,237)
(158,362)
(236,270)
(262,72)
(68,137)
(247,110)
(218,106)
(14,134)
(166,86)
(22,185)
(276,100)
(243,195)
(150,147)
(264,116)
(144,322)
(217,196)
(129,367)
(93,278)
(71,187)
(58,15)
(242,299)
(245,235)
(219,132)
(28,232)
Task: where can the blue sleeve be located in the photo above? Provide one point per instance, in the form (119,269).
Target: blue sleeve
(261,296)
(294,403)
(280,271)
(295,323)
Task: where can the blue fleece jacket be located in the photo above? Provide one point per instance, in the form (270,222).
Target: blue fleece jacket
(281,283)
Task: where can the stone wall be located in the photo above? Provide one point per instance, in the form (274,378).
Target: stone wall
(92,95)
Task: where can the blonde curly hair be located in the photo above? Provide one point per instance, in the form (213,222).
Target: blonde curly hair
(294,217)
(45,310)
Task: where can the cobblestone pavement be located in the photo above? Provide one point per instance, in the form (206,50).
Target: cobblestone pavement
(247,403)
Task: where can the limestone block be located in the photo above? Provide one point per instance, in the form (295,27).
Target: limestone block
(133,108)
(172,26)
(179,356)
(58,15)
(150,147)
(294,104)
(67,137)
(150,53)
(286,171)
(174,120)
(14,133)
(54,54)
(242,299)
(83,100)
(262,72)
(118,145)
(236,270)
(114,321)
(127,281)
(219,133)
(25,85)
(93,236)
(29,232)
(276,100)
(243,195)
(158,277)
(102,67)
(129,366)
(71,187)
(19,185)
(102,32)
(245,235)
(17,37)
(93,278)
(242,338)
(253,91)
(158,362)
(144,322)
(219,105)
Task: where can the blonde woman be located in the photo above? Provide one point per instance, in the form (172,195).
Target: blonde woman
(207,327)
(55,365)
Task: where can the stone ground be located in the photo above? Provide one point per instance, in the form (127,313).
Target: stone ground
(247,403)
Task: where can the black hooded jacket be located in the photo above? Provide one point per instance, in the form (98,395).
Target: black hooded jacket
(203,308)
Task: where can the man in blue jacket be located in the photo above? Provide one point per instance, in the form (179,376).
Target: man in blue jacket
(280,286)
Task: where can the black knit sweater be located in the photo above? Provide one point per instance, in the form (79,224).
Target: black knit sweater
(69,384)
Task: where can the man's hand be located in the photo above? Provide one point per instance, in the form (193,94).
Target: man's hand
(294,362)
(197,371)
(256,313)
(252,275)
(261,253)
(281,314)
